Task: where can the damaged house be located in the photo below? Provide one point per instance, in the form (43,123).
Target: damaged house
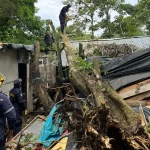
(14,60)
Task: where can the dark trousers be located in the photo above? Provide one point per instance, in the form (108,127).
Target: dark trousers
(63,24)
(18,123)
(62,27)
(48,44)
(2,146)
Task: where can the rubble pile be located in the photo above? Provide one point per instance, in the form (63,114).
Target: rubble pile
(110,50)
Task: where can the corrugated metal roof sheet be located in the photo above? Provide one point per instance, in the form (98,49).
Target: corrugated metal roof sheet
(142,42)
(18,46)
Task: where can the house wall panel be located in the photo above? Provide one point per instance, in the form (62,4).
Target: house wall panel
(9,68)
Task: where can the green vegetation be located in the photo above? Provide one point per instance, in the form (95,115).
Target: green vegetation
(83,65)
(20,25)
(18,22)
(93,15)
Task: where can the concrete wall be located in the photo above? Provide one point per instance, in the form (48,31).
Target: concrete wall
(48,70)
(9,68)
(140,42)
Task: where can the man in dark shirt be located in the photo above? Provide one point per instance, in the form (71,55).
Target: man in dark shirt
(48,39)
(17,100)
(7,111)
(63,18)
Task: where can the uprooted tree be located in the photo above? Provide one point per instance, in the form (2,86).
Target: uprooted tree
(111,123)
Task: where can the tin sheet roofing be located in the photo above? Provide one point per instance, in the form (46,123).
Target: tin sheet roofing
(142,42)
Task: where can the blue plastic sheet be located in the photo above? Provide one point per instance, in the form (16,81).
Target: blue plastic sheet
(52,128)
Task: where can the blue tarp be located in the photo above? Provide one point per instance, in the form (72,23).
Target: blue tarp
(52,128)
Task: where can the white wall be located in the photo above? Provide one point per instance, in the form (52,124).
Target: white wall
(9,68)
(140,42)
(50,68)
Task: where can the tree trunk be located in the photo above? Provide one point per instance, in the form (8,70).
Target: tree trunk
(108,22)
(115,119)
(60,70)
(92,24)
(38,86)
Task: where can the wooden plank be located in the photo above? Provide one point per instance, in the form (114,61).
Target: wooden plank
(29,91)
(137,103)
(140,97)
(61,145)
(135,91)
(134,86)
(143,119)
(40,117)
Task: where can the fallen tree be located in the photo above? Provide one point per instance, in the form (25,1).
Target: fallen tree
(111,123)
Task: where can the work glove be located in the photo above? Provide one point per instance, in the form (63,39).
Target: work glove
(26,112)
(9,135)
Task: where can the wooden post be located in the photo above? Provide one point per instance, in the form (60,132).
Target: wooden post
(29,91)
(81,51)
(45,68)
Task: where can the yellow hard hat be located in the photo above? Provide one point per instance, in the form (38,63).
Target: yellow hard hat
(2,78)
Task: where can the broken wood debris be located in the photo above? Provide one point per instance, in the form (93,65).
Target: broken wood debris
(27,138)
(137,93)
(109,50)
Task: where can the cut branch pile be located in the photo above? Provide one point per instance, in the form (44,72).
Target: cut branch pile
(110,50)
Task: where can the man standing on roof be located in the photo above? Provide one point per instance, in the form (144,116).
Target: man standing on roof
(63,18)
(48,39)
(7,111)
(16,98)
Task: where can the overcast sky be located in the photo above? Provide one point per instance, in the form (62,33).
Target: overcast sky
(49,9)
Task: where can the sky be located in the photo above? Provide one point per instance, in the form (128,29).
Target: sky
(49,9)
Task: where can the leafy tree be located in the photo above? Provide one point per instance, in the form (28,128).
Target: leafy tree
(106,7)
(76,32)
(85,14)
(126,23)
(126,27)
(143,11)
(18,21)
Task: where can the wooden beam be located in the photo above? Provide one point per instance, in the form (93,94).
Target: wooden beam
(133,86)
(28,125)
(135,89)
(143,119)
(140,97)
(137,103)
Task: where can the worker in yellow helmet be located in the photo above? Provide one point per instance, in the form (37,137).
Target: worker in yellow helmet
(6,111)
(2,78)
